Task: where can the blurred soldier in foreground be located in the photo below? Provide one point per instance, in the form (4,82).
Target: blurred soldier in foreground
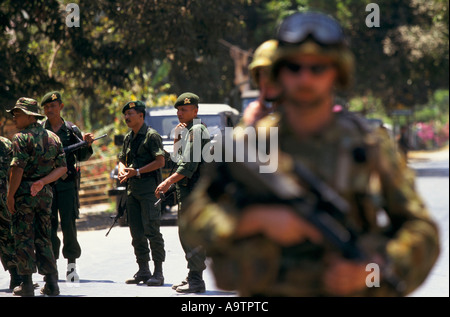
(140,163)
(7,253)
(65,190)
(188,134)
(314,227)
(268,92)
(38,160)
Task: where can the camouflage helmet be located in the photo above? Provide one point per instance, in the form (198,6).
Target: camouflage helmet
(314,33)
(262,58)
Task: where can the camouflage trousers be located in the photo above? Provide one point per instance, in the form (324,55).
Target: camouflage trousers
(32,230)
(7,253)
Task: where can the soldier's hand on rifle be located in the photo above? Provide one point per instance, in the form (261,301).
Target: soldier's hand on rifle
(89,138)
(277,222)
(162,188)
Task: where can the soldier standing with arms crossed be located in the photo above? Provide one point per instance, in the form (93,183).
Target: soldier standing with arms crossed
(185,178)
(65,190)
(358,164)
(140,163)
(38,160)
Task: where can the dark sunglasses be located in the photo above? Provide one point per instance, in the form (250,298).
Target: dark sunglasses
(298,27)
(315,69)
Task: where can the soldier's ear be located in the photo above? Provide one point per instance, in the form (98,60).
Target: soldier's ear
(62,105)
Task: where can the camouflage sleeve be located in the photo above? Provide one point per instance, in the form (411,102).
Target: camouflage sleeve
(208,223)
(20,156)
(415,246)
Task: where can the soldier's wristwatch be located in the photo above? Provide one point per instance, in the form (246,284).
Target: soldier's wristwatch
(138,174)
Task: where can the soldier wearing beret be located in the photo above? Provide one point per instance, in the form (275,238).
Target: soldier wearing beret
(341,199)
(140,163)
(189,132)
(65,190)
(38,159)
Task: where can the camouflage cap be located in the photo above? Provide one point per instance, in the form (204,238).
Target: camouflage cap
(29,106)
(186,99)
(138,105)
(51,96)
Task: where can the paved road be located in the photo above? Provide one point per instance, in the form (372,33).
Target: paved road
(433,184)
(106,262)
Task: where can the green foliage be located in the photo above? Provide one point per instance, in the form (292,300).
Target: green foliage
(154,50)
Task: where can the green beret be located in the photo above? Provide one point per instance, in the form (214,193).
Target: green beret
(186,99)
(51,96)
(138,105)
(29,106)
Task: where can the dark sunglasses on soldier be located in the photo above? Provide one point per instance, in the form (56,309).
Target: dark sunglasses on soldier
(301,26)
(315,69)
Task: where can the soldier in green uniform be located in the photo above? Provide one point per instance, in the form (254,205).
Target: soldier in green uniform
(140,163)
(38,160)
(7,253)
(65,190)
(265,246)
(191,136)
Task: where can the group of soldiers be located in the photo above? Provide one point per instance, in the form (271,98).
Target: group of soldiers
(341,215)
(309,229)
(39,188)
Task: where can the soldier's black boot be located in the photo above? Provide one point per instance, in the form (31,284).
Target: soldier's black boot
(26,288)
(16,279)
(51,287)
(142,275)
(195,283)
(183,282)
(157,278)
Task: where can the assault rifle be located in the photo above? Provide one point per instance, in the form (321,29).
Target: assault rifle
(310,197)
(80,144)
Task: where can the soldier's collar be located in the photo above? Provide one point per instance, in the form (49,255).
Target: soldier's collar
(143,129)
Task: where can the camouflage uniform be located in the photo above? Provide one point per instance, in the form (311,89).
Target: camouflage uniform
(38,151)
(364,168)
(6,238)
